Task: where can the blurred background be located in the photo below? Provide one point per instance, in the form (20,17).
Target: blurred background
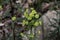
(29,19)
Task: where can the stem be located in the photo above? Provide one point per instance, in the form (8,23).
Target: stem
(42,29)
(12,3)
(30,33)
(58,24)
(13,30)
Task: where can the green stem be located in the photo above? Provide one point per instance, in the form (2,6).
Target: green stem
(13,28)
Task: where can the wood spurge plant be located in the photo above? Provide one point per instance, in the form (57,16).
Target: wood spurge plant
(31,20)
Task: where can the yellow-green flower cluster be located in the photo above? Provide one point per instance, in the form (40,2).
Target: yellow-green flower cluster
(32,14)
(30,18)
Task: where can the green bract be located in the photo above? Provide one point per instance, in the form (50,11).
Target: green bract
(31,15)
(26,14)
(29,18)
(14,18)
(37,16)
(36,23)
(23,23)
(40,22)
(34,12)
(26,22)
